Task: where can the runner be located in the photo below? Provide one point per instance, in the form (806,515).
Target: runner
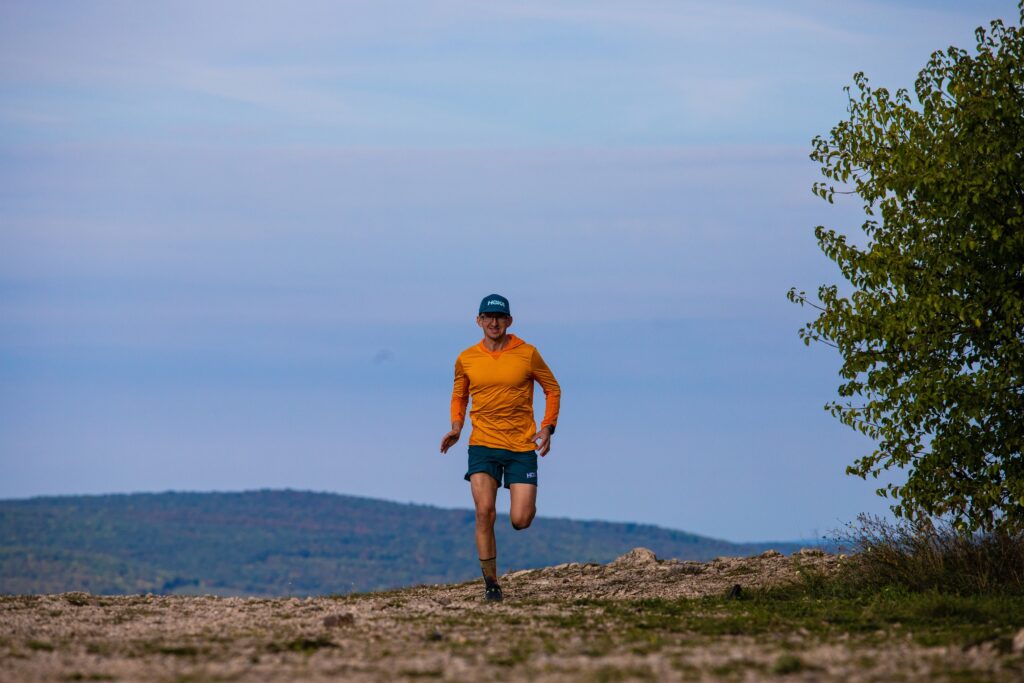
(498,374)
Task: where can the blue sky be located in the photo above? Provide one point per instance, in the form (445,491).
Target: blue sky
(241,245)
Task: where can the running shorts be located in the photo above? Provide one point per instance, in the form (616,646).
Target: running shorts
(515,467)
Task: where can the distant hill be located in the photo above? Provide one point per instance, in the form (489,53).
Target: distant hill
(289,543)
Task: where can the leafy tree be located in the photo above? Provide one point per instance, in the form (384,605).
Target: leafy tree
(931,325)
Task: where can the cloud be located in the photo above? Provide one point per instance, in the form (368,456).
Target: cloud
(450,73)
(311,235)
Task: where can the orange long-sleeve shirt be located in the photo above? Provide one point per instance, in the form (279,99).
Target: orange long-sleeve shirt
(501,386)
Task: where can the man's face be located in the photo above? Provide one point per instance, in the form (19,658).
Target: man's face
(494,325)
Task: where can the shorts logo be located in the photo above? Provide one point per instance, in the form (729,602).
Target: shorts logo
(531,475)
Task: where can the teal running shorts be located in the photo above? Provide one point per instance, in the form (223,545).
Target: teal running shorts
(516,468)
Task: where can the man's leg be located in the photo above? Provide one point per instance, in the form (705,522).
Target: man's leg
(485,491)
(524,505)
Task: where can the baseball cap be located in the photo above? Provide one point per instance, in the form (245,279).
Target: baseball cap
(495,303)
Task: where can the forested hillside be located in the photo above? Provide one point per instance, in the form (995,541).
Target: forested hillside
(288,543)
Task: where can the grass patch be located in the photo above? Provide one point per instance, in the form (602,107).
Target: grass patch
(104,648)
(736,668)
(422,673)
(147,647)
(178,650)
(788,664)
(930,555)
(931,618)
(644,641)
(613,674)
(597,647)
(304,645)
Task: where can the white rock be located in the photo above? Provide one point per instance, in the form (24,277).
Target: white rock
(1018,641)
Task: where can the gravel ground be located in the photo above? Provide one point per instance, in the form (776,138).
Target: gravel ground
(548,629)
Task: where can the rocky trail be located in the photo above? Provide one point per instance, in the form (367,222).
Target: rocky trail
(637,618)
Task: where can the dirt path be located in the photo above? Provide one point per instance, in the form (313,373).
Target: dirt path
(567,623)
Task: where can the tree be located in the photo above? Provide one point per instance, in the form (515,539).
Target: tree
(931,324)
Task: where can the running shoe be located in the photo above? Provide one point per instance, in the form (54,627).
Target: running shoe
(493,593)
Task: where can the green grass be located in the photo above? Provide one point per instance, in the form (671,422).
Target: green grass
(179,650)
(305,645)
(930,618)
(610,674)
(736,668)
(788,664)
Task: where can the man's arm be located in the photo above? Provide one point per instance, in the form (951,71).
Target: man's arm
(449,439)
(552,401)
(460,399)
(543,440)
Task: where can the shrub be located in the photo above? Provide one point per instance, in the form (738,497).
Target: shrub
(924,555)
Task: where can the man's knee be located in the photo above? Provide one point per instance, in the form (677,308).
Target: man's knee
(522,521)
(485,516)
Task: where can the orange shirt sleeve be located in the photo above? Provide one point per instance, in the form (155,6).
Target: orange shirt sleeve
(460,393)
(552,392)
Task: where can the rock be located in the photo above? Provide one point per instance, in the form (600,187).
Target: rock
(770,553)
(77,598)
(636,557)
(338,620)
(1018,641)
(810,552)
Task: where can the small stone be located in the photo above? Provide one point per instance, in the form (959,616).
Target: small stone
(770,553)
(1018,641)
(338,620)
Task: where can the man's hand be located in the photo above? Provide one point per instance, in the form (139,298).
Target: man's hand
(449,439)
(543,441)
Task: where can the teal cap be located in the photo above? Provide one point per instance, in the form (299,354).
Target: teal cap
(495,303)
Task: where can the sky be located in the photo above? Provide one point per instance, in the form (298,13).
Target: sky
(242,243)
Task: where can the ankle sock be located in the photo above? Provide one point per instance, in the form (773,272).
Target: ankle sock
(489,568)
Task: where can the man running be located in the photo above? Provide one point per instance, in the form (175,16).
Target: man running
(498,374)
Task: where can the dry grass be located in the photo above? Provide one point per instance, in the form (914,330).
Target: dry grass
(931,556)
